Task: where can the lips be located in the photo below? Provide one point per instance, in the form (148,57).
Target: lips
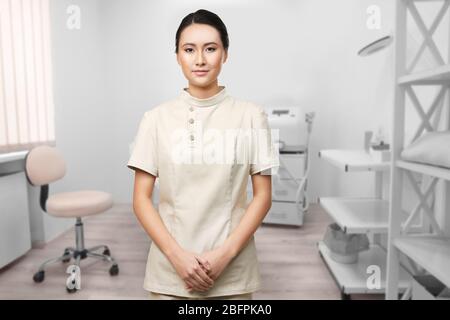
(200,72)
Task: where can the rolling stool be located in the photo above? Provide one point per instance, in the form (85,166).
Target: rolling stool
(44,164)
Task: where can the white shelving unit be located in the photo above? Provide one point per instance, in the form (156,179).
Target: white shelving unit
(430,252)
(359,215)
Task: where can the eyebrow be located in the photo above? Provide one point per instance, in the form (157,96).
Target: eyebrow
(193,44)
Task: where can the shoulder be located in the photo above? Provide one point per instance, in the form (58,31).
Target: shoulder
(249,107)
(255,114)
(157,110)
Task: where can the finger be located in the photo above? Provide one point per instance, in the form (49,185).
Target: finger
(209,281)
(192,283)
(200,283)
(205,263)
(205,268)
(208,272)
(189,285)
(206,278)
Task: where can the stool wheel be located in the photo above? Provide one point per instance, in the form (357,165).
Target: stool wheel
(114,270)
(66,252)
(39,276)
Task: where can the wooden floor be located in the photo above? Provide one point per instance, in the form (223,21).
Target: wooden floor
(290,265)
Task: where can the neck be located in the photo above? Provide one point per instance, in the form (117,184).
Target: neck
(204,92)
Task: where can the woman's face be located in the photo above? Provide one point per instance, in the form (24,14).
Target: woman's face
(200,48)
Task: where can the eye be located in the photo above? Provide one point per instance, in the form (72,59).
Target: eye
(187,50)
(212,49)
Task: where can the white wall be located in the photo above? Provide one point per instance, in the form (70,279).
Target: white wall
(85,122)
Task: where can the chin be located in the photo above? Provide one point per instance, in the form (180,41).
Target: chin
(202,84)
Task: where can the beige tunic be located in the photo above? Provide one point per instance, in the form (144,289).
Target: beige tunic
(202,154)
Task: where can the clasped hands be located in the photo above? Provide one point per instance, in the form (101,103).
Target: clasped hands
(199,271)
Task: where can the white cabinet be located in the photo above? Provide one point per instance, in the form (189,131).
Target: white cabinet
(286,210)
(14,217)
(285,183)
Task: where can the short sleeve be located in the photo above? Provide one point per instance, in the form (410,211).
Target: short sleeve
(143,150)
(264,155)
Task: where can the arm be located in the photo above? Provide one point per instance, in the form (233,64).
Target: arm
(185,263)
(256,211)
(148,216)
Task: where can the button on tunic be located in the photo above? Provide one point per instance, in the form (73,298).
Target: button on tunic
(203,162)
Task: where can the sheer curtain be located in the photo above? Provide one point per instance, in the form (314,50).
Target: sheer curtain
(26,93)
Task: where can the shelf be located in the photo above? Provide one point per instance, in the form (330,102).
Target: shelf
(359,215)
(352,278)
(439,74)
(432,253)
(434,171)
(353,160)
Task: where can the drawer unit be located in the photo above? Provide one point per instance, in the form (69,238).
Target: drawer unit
(15,238)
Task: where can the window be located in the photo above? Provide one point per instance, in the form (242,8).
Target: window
(26,93)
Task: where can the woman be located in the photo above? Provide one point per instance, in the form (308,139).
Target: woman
(203,233)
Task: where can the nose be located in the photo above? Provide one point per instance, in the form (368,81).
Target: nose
(199,60)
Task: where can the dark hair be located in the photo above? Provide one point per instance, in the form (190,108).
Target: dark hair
(204,17)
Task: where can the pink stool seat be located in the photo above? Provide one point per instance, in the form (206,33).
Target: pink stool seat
(79,203)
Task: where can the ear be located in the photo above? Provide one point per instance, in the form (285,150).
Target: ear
(225,57)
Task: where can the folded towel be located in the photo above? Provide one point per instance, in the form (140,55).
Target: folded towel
(432,148)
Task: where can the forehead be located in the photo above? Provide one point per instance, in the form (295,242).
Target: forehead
(199,34)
